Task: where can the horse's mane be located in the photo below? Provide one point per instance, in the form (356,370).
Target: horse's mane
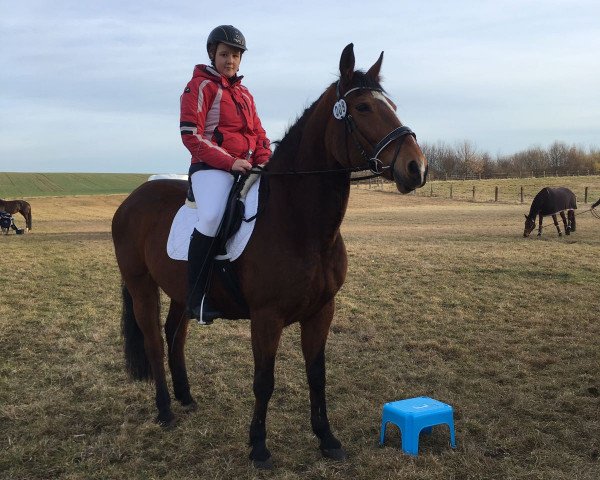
(291,139)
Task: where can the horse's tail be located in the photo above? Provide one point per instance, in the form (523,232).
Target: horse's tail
(136,361)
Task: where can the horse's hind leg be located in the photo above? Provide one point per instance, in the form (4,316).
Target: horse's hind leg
(28,219)
(314,333)
(565,223)
(556,225)
(571,217)
(146,306)
(176,328)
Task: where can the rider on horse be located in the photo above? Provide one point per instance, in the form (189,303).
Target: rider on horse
(221,129)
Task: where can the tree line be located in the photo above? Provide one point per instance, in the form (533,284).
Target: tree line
(464,161)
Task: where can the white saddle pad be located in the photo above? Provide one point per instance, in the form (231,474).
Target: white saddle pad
(178,242)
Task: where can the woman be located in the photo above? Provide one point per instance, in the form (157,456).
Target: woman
(221,129)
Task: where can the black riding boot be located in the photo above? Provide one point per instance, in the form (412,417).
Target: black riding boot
(200,261)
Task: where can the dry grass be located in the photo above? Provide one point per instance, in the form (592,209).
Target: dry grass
(442,298)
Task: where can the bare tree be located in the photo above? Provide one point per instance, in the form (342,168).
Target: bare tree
(441,159)
(469,159)
(465,160)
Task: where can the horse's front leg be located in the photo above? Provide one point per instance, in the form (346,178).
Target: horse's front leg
(314,333)
(540,225)
(565,223)
(556,225)
(265,333)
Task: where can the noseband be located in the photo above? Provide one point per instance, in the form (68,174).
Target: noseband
(372,162)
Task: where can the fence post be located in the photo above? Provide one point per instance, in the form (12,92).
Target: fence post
(473,192)
(521,193)
(496,194)
(450,190)
(586,192)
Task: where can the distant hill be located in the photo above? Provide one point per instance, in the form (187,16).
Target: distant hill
(19,185)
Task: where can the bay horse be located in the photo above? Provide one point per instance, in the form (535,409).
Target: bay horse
(295,261)
(552,201)
(17,206)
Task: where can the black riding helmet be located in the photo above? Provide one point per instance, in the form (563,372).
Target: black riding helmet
(227,34)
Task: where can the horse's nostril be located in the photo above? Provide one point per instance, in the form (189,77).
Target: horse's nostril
(413,169)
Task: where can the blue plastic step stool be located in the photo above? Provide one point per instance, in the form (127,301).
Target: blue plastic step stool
(413,415)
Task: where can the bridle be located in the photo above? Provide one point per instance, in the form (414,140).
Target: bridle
(372,161)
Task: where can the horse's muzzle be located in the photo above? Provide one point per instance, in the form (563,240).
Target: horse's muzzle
(414,177)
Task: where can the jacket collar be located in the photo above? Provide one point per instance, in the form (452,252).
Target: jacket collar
(210,72)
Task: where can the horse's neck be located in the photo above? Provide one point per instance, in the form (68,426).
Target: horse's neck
(317,201)
(537,203)
(312,206)
(534,209)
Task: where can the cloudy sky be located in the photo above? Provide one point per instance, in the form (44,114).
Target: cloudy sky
(94,86)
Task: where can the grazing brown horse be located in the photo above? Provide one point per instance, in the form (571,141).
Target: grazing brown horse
(17,206)
(295,261)
(551,201)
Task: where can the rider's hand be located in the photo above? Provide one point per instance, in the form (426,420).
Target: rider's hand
(241,166)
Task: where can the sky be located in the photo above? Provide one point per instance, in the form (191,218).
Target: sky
(94,86)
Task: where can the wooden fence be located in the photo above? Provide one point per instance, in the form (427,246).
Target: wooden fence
(506,191)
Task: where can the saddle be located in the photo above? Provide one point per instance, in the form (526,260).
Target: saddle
(234,208)
(230,224)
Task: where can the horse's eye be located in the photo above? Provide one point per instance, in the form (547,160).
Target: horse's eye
(363,107)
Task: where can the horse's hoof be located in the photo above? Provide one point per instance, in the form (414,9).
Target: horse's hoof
(190,407)
(167,423)
(263,464)
(338,454)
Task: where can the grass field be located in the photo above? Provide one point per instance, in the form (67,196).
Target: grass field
(443,298)
(25,185)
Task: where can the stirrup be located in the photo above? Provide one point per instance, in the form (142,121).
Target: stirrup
(205,313)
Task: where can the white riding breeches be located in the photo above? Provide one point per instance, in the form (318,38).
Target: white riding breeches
(211,189)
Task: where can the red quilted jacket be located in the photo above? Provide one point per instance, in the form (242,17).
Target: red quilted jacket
(219,122)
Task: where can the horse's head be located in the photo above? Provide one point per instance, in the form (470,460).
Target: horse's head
(364,130)
(529,225)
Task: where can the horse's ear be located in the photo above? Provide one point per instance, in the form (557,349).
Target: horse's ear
(526,217)
(347,64)
(374,70)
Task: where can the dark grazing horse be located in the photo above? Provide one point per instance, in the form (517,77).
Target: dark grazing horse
(17,206)
(552,201)
(295,261)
